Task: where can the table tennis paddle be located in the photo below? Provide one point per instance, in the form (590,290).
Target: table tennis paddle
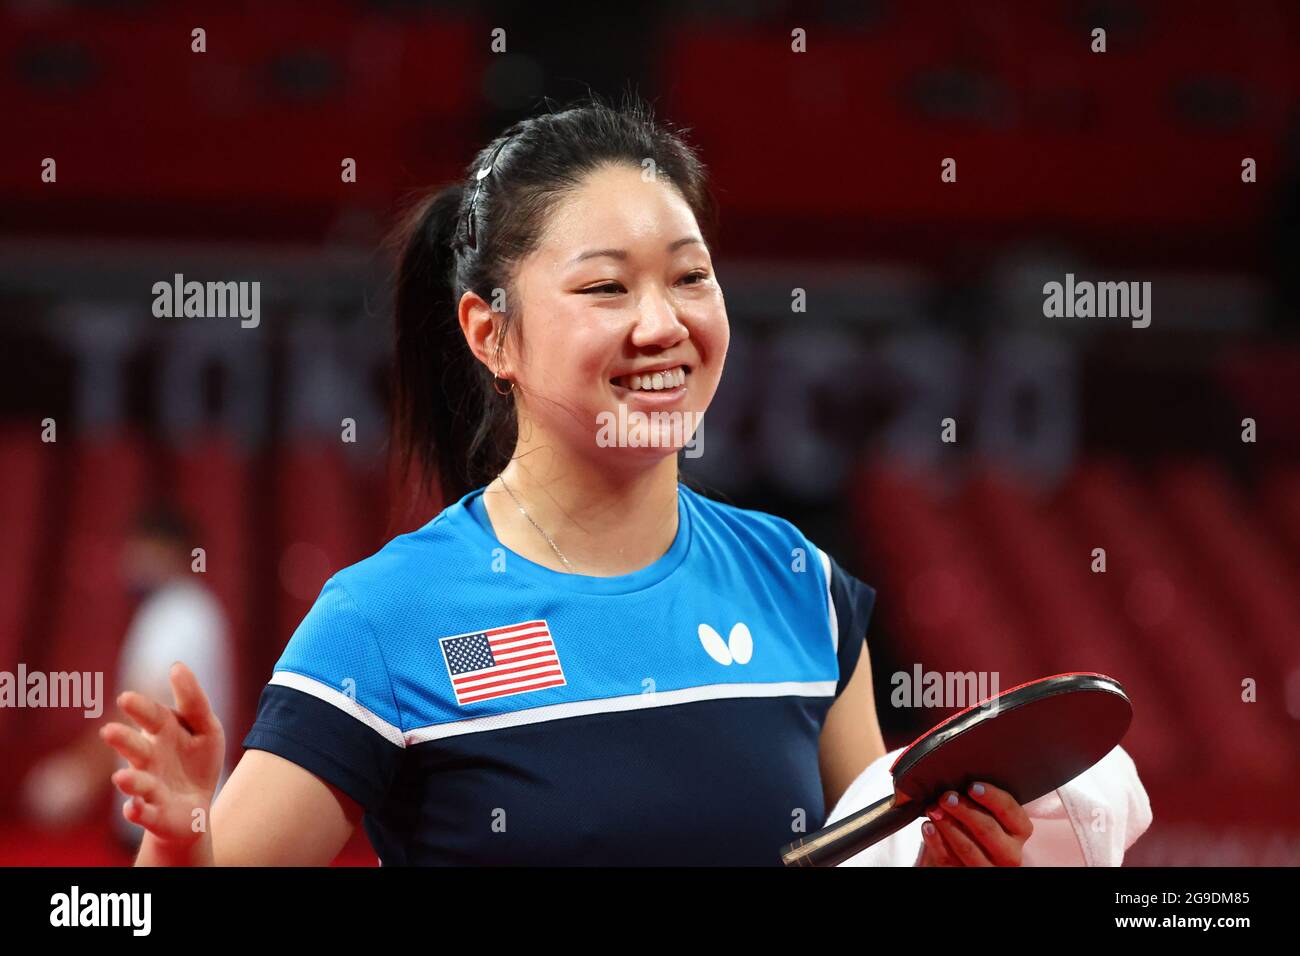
(1028,740)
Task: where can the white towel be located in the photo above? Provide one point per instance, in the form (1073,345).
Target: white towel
(1090,821)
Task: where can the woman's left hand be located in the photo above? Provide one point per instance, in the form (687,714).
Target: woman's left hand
(983,827)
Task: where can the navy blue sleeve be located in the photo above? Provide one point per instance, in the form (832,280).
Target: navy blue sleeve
(329,706)
(322,738)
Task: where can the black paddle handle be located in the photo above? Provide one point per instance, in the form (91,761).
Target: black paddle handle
(832,845)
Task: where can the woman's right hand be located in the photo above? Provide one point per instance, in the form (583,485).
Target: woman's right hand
(176,758)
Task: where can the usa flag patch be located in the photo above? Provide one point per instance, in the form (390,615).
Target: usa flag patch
(502,661)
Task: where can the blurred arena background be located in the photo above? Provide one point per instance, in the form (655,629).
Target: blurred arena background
(924,301)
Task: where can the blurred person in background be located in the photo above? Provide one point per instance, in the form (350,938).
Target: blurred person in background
(177,619)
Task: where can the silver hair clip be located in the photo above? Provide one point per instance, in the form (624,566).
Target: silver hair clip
(471,235)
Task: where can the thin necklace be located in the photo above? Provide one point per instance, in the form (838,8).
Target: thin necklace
(549,540)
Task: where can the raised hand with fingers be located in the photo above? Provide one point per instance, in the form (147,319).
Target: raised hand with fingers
(176,759)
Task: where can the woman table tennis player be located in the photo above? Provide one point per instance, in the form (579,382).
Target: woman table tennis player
(580,660)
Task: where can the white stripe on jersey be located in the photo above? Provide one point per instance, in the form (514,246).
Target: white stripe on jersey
(340,700)
(580,708)
(536,715)
(830,601)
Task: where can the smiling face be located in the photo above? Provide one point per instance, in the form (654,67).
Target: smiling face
(620,306)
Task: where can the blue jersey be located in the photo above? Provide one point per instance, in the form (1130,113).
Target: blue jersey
(484,709)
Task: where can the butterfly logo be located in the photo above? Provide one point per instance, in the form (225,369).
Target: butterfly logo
(739,647)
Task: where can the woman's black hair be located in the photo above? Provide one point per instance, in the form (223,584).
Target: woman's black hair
(449,422)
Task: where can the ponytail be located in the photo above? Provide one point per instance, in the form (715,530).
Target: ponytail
(440,390)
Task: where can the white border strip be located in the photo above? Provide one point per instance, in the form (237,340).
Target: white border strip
(608,705)
(340,700)
(830,602)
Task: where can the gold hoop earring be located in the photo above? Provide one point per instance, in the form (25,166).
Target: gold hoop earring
(497,388)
